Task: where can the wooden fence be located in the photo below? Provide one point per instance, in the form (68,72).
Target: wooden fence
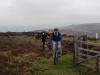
(82,54)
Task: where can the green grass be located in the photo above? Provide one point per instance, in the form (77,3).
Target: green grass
(45,66)
(64,67)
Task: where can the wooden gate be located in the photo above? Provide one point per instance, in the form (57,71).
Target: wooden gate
(82,53)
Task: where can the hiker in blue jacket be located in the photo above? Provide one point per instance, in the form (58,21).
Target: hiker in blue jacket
(56,37)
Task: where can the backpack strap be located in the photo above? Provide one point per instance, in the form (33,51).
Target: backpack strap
(56,38)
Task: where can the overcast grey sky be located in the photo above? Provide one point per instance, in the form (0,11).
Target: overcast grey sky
(48,12)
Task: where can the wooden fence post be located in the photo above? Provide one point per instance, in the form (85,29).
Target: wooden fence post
(75,50)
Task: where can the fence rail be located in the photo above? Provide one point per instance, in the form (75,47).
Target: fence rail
(82,54)
(92,51)
(88,43)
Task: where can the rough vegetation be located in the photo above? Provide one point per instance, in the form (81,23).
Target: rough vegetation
(23,55)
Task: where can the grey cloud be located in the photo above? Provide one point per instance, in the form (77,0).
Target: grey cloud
(48,12)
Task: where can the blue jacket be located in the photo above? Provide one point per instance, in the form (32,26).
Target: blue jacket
(56,37)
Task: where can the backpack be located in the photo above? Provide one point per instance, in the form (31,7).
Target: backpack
(44,35)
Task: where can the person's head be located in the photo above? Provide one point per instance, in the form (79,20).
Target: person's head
(56,30)
(48,30)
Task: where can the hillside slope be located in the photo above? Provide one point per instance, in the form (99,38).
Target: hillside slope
(90,28)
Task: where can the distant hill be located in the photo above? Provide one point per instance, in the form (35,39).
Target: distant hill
(91,29)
